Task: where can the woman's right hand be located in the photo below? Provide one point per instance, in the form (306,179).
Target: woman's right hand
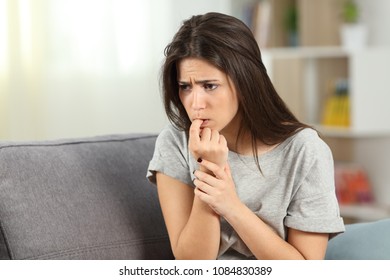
(207,143)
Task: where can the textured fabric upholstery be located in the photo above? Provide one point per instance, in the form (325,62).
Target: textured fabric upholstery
(362,241)
(80,199)
(89,199)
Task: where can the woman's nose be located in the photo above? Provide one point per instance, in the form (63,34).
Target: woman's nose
(198,100)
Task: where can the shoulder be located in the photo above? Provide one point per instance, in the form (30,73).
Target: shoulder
(171,156)
(171,137)
(307,148)
(305,135)
(308,140)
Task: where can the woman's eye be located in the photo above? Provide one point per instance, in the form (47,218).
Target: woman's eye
(183,87)
(210,86)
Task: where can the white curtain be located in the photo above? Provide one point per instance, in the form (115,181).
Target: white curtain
(72,68)
(80,67)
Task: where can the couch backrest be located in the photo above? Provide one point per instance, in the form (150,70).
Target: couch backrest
(80,199)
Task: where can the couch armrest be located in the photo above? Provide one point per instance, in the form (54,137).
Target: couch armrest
(361,241)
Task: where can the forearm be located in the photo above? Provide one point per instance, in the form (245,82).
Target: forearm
(200,237)
(261,240)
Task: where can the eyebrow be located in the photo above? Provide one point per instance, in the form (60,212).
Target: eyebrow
(198,82)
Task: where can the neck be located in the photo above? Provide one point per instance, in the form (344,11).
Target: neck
(238,138)
(242,144)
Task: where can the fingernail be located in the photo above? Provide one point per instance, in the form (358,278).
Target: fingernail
(199,160)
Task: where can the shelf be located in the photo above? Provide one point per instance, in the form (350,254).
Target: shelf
(305,52)
(302,77)
(347,132)
(317,52)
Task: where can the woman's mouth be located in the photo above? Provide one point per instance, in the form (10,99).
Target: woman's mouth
(204,123)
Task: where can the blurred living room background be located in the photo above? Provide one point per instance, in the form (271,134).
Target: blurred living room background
(79,68)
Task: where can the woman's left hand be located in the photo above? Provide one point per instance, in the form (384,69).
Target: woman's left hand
(218,191)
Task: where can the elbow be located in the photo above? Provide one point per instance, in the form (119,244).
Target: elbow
(194,253)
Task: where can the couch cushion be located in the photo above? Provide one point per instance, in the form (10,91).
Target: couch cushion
(362,241)
(80,199)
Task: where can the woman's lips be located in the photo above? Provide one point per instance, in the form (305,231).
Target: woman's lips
(204,123)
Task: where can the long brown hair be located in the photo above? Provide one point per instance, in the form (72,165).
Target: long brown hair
(228,44)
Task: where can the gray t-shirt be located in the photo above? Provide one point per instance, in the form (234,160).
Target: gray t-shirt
(295,189)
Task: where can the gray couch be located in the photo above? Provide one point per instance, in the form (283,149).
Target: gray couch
(89,199)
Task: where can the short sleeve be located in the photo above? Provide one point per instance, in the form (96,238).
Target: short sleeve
(171,157)
(314,206)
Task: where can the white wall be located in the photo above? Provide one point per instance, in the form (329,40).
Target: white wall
(376,14)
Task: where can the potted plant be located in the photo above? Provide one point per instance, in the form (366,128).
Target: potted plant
(353,32)
(350,12)
(291,25)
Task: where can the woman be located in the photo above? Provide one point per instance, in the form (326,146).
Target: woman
(238,176)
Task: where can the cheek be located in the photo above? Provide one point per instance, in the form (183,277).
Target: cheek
(184,101)
(232,106)
(232,110)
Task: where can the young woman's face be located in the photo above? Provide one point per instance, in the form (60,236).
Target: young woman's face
(208,94)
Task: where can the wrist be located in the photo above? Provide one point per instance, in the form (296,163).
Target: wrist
(205,170)
(236,212)
(220,164)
